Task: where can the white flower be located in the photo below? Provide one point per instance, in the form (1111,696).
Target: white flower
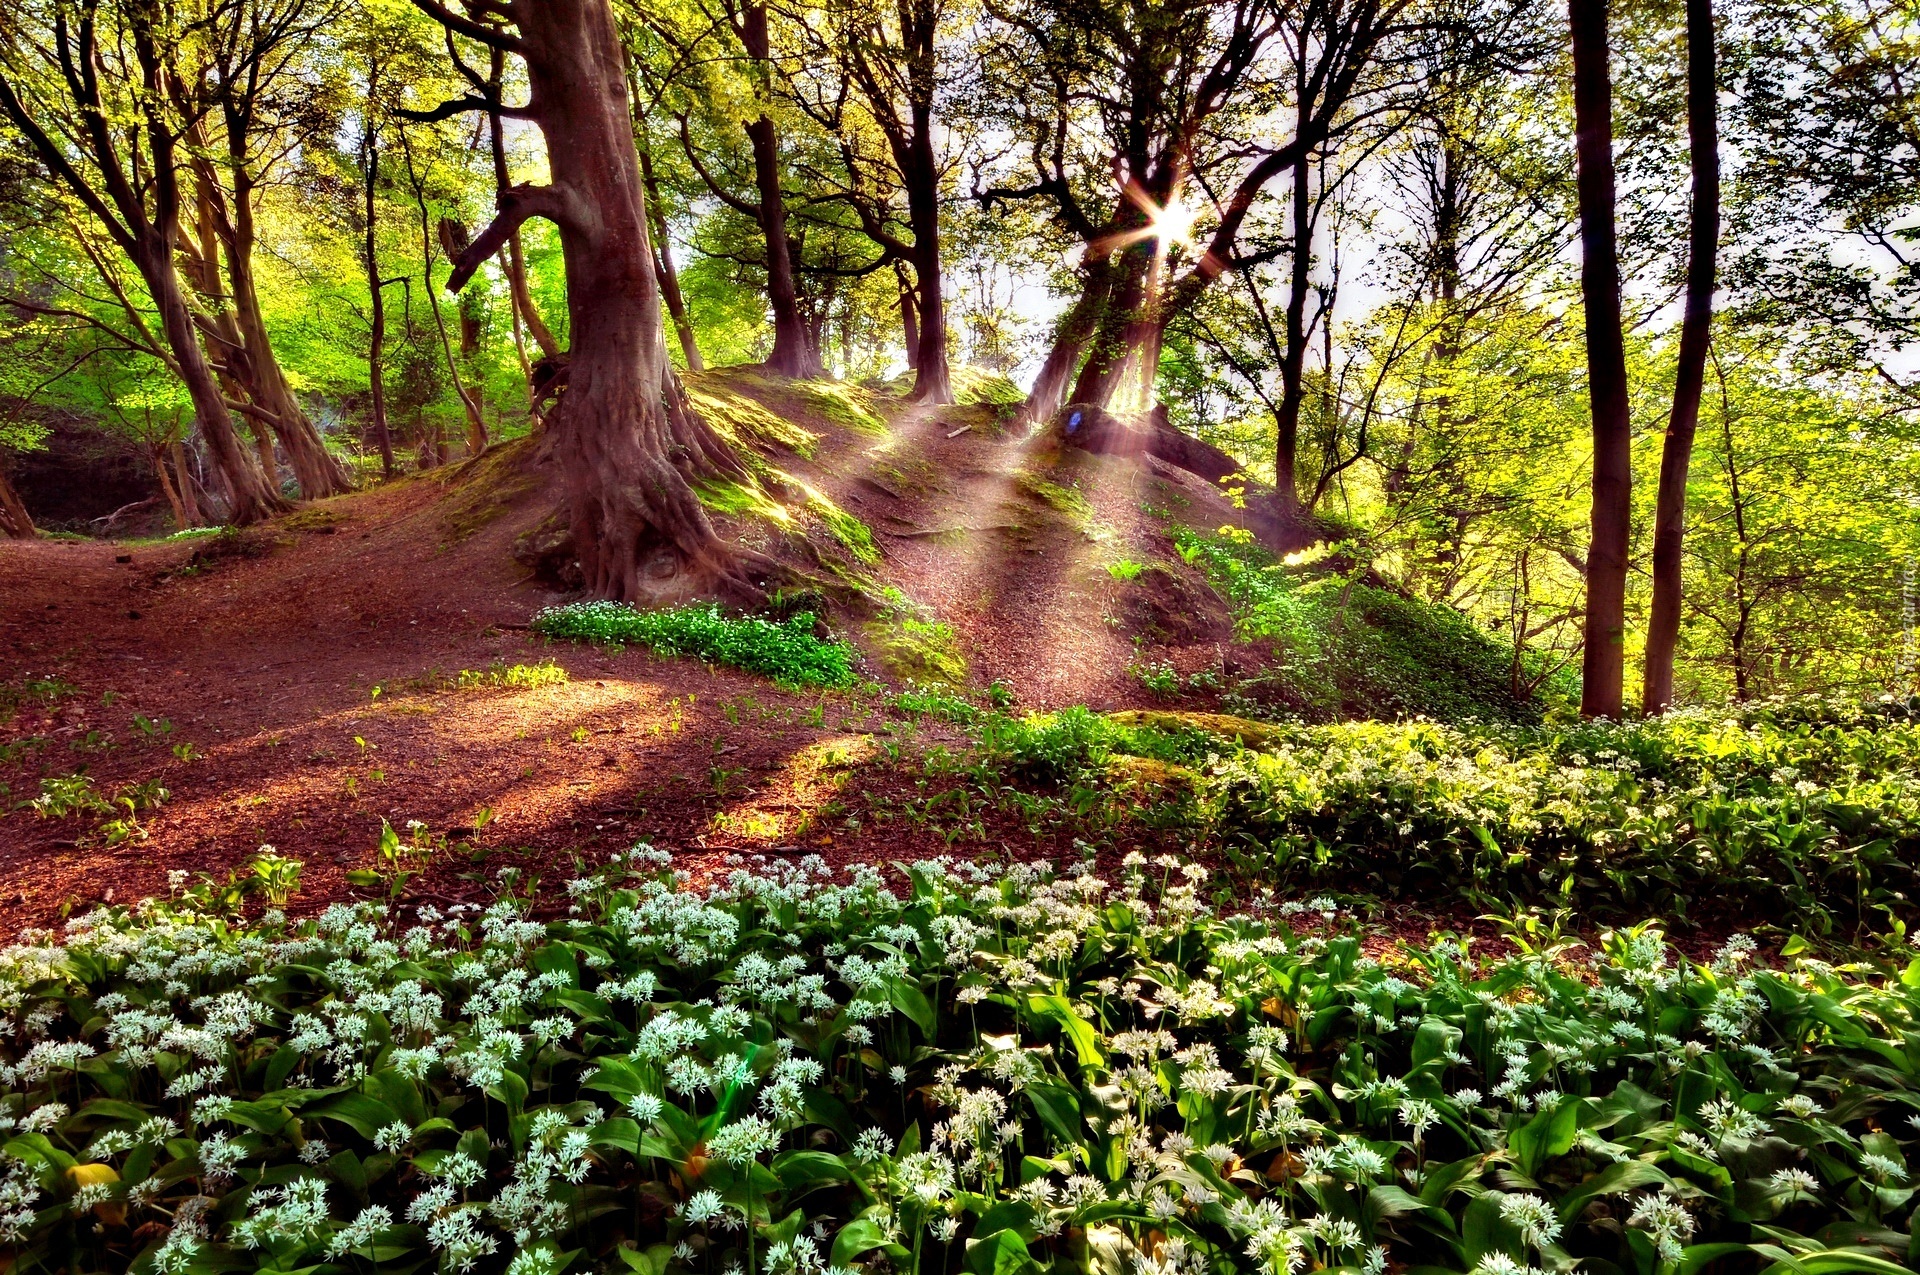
(1533,1216)
(1666,1222)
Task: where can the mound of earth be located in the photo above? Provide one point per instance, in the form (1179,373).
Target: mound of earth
(297,684)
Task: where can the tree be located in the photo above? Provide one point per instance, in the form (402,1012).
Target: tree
(246,77)
(69,67)
(621,428)
(1603,660)
(894,59)
(1670,504)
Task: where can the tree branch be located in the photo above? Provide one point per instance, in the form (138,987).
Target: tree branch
(517,204)
(493,37)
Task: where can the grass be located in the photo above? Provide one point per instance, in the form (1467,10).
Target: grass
(1350,648)
(786,651)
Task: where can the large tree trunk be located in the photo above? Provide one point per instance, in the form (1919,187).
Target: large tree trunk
(1111,345)
(1670,506)
(909,316)
(250,495)
(663,265)
(621,426)
(793,353)
(1293,359)
(1604,655)
(1070,339)
(931,383)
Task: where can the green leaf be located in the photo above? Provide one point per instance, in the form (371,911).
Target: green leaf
(803,1170)
(365,1115)
(1626,1175)
(1546,1136)
(855,1238)
(911,1001)
(1086,1041)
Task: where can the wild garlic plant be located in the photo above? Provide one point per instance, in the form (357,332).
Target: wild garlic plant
(963,1068)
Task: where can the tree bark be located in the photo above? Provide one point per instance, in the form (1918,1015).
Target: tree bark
(909,316)
(522,297)
(184,484)
(669,277)
(621,429)
(932,381)
(793,353)
(317,470)
(158,456)
(14,518)
(1293,359)
(1112,340)
(1604,655)
(251,496)
(1070,339)
(1676,456)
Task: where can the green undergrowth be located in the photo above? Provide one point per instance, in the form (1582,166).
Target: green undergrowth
(1350,648)
(786,651)
(1806,812)
(981,1071)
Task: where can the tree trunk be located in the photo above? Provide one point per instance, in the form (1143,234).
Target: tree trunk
(317,470)
(1111,343)
(250,493)
(523,307)
(793,354)
(1670,506)
(909,316)
(14,518)
(669,277)
(1293,359)
(183,483)
(1070,339)
(476,424)
(1603,658)
(621,426)
(158,456)
(932,383)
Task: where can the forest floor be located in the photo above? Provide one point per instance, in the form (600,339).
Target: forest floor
(299,685)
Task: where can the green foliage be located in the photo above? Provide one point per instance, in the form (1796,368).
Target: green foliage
(1351,647)
(786,651)
(517,677)
(1125,569)
(967,1075)
(1805,809)
(64,795)
(913,645)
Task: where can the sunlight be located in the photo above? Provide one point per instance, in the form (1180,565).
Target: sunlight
(1172,224)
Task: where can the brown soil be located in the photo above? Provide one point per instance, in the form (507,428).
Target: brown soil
(264,655)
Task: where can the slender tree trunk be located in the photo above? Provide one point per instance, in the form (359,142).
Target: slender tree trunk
(909,316)
(1293,359)
(1670,506)
(1603,659)
(317,470)
(523,306)
(932,382)
(250,494)
(159,457)
(621,427)
(793,354)
(184,484)
(476,424)
(1070,339)
(669,277)
(14,518)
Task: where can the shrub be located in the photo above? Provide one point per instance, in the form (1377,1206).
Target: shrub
(786,651)
(1809,811)
(991,1072)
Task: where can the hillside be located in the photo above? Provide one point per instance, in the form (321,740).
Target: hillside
(367,659)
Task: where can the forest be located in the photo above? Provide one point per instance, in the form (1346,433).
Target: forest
(960,637)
